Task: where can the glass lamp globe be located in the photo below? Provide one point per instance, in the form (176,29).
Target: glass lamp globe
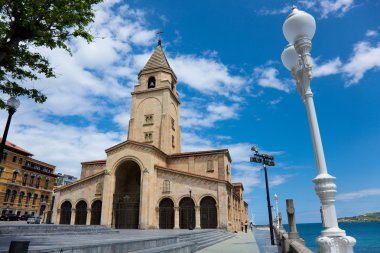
(13,102)
(298,24)
(289,57)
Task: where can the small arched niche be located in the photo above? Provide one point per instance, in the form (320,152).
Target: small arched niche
(151,82)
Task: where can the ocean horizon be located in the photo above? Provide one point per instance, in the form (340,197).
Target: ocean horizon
(367,235)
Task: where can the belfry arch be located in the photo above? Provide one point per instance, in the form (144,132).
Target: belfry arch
(126,198)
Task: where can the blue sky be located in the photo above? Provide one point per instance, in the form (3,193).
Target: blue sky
(234,92)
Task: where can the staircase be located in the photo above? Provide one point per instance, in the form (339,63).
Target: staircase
(205,238)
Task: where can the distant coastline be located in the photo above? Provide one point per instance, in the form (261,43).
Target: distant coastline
(368,217)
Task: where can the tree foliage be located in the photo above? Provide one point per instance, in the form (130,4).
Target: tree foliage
(26,25)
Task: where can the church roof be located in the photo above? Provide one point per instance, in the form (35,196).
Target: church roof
(157,61)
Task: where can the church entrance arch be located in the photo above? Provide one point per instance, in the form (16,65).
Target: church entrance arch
(166,214)
(186,213)
(126,199)
(65,213)
(96,212)
(81,213)
(209,214)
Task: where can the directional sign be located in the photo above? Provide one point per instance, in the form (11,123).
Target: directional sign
(256,160)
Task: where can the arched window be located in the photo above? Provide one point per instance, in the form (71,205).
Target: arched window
(31,180)
(14,177)
(38,182)
(151,82)
(46,183)
(20,198)
(7,194)
(166,186)
(25,177)
(35,199)
(2,169)
(42,198)
(13,196)
(28,196)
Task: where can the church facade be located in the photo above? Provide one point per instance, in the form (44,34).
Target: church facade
(146,182)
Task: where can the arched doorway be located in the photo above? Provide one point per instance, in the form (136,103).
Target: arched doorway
(42,209)
(209,214)
(126,200)
(166,214)
(186,213)
(65,213)
(96,212)
(81,213)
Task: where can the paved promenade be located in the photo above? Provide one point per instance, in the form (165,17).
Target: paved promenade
(257,241)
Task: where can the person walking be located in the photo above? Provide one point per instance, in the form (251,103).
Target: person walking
(242,227)
(246,226)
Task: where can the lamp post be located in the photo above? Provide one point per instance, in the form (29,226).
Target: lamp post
(276,201)
(265,160)
(12,104)
(299,28)
(191,212)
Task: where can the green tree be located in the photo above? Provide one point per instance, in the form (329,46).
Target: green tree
(26,25)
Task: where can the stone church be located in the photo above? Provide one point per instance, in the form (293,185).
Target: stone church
(146,182)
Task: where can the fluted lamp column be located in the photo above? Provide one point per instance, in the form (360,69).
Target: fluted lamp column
(299,29)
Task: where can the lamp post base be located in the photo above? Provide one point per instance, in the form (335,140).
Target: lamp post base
(340,244)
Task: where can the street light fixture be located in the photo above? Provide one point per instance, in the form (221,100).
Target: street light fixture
(299,29)
(266,160)
(191,211)
(12,104)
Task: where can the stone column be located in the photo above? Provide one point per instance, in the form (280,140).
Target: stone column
(72,221)
(176,217)
(58,216)
(197,217)
(88,218)
(293,234)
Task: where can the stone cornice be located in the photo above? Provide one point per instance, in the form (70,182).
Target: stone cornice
(176,98)
(202,153)
(80,181)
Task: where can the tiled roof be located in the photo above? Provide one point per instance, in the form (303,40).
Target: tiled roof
(157,61)
(9,145)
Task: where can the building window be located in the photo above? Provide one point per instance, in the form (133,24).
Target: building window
(173,141)
(20,160)
(42,198)
(1,171)
(5,157)
(7,194)
(148,136)
(14,159)
(46,183)
(151,82)
(20,198)
(166,186)
(31,181)
(14,177)
(35,199)
(173,124)
(13,196)
(148,119)
(210,166)
(28,196)
(46,199)
(24,179)
(38,182)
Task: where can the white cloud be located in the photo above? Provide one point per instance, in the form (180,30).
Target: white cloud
(267,77)
(364,58)
(371,33)
(275,102)
(206,75)
(328,7)
(358,194)
(328,68)
(267,12)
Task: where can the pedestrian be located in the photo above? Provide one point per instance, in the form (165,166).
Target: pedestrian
(251,224)
(246,226)
(242,227)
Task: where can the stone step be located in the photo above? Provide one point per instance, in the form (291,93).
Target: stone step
(40,229)
(117,246)
(207,238)
(208,244)
(181,247)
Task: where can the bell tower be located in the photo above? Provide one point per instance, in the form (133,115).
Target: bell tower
(155,105)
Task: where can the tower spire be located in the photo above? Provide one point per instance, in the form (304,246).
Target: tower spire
(159,37)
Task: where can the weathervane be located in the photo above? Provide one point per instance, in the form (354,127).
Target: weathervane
(159,37)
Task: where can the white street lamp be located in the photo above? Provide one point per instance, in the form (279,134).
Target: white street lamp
(299,28)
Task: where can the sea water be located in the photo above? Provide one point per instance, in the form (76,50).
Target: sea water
(367,235)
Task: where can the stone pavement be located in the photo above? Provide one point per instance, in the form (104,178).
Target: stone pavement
(241,243)
(262,236)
